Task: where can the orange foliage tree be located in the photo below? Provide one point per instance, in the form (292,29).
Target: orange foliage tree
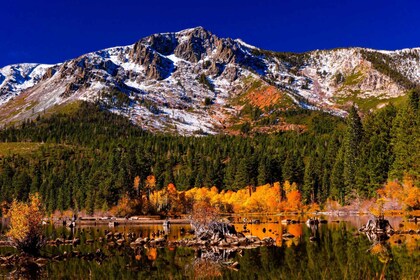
(266,198)
(174,204)
(294,199)
(411,194)
(293,196)
(400,196)
(136,185)
(125,207)
(150,184)
(145,203)
(26,224)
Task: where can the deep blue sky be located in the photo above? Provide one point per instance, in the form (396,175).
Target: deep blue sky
(55,30)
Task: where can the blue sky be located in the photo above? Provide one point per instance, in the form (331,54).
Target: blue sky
(53,31)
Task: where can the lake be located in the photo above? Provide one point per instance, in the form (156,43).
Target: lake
(334,250)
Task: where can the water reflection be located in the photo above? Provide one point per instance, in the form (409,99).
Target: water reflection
(380,249)
(314,237)
(211,262)
(323,251)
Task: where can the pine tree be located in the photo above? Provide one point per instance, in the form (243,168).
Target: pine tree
(242,176)
(337,179)
(406,140)
(288,168)
(309,183)
(262,173)
(353,137)
(376,154)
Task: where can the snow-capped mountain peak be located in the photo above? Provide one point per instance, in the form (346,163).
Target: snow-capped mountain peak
(193,81)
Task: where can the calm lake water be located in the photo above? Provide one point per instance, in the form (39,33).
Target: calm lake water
(331,251)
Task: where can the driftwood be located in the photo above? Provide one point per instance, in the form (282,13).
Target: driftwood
(377,225)
(213,227)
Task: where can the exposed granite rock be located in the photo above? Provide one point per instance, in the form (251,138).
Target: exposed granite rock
(48,74)
(215,69)
(109,67)
(195,44)
(230,73)
(226,51)
(162,43)
(157,66)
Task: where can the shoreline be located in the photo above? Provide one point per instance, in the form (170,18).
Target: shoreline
(118,222)
(155,220)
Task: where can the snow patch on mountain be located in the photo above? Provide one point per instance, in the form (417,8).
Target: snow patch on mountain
(18,77)
(169,77)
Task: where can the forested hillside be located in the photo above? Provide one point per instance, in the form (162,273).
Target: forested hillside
(89,158)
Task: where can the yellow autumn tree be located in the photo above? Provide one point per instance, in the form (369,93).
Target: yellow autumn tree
(150,184)
(294,199)
(26,224)
(258,201)
(274,197)
(293,196)
(237,199)
(165,201)
(136,185)
(287,187)
(411,194)
(398,196)
(125,207)
(378,208)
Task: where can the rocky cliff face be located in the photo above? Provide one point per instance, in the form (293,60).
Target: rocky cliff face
(193,81)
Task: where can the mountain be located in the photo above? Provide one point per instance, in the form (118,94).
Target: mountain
(195,82)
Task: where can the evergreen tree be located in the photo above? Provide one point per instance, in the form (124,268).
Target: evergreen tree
(309,183)
(91,157)
(376,154)
(262,173)
(406,140)
(352,139)
(337,178)
(243,174)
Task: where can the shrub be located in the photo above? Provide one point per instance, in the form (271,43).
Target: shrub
(204,216)
(246,128)
(208,101)
(26,225)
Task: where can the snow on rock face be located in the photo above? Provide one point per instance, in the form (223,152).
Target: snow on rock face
(168,76)
(345,72)
(16,78)
(407,62)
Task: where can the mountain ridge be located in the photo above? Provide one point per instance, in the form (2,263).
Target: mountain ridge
(193,81)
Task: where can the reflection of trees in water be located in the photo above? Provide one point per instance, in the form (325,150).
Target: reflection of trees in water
(337,252)
(378,231)
(23,267)
(211,262)
(205,268)
(314,233)
(381,249)
(29,272)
